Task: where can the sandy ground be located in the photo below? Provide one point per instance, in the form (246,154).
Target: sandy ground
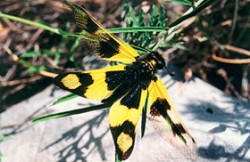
(220,125)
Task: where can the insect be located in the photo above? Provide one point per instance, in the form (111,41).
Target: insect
(126,87)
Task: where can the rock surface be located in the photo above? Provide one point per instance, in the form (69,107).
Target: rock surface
(220,125)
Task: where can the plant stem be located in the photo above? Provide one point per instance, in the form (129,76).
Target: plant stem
(61,32)
(137,29)
(72,112)
(33,23)
(196,10)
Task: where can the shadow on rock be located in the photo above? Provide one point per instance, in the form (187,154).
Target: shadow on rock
(83,141)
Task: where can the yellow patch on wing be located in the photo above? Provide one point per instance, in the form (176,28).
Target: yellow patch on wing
(90,84)
(125,113)
(167,122)
(99,88)
(71,81)
(124,142)
(123,119)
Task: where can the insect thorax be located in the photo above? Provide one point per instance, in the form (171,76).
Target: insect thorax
(153,59)
(142,71)
(137,75)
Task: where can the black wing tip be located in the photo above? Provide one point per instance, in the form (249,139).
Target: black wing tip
(123,156)
(58,78)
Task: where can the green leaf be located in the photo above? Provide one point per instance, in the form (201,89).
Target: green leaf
(133,18)
(116,158)
(65,98)
(71,112)
(34,23)
(155,11)
(125,9)
(132,30)
(38,53)
(73,48)
(185,2)
(146,29)
(4,138)
(195,11)
(34,69)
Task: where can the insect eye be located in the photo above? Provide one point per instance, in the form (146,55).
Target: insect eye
(160,62)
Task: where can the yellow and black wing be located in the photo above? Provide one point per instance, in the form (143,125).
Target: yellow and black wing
(123,119)
(92,84)
(110,84)
(166,120)
(109,46)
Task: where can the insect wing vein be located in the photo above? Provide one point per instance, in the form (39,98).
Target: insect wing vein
(166,120)
(110,46)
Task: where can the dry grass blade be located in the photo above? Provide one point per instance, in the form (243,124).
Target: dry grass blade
(231,61)
(236,49)
(20,81)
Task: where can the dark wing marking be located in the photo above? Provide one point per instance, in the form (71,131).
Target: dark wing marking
(92,84)
(166,120)
(110,47)
(123,118)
